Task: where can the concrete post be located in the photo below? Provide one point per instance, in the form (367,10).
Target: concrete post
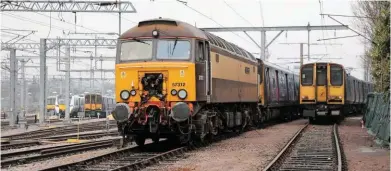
(67,83)
(13,78)
(23,96)
(263,45)
(42,81)
(301,54)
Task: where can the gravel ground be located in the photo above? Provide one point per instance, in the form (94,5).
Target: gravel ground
(361,151)
(252,150)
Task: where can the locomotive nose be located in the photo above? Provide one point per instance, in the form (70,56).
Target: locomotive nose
(121,112)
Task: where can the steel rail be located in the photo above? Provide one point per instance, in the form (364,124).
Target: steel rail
(284,150)
(52,151)
(337,147)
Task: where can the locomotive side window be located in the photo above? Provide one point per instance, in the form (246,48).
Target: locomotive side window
(336,74)
(173,49)
(307,75)
(321,75)
(136,50)
(200,51)
(217,58)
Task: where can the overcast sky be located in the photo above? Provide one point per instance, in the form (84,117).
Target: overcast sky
(227,13)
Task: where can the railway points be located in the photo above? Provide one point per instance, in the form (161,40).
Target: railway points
(178,92)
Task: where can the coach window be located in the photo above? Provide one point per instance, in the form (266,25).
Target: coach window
(307,75)
(336,74)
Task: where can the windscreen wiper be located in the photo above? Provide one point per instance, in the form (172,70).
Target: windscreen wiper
(176,40)
(141,41)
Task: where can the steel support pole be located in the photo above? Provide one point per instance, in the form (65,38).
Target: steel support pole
(308,43)
(67,83)
(301,55)
(13,78)
(23,94)
(263,45)
(42,81)
(101,77)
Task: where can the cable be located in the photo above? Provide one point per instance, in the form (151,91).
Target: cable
(238,13)
(322,23)
(50,29)
(214,21)
(34,21)
(261,10)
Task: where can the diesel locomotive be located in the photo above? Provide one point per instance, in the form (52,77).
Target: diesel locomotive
(176,81)
(327,91)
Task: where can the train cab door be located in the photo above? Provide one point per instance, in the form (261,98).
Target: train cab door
(321,82)
(203,71)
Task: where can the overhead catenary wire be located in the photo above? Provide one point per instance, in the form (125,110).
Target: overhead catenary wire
(210,18)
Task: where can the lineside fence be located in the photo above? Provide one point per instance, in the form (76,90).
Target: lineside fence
(377,117)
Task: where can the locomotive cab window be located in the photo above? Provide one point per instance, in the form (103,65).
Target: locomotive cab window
(136,50)
(307,75)
(173,49)
(336,74)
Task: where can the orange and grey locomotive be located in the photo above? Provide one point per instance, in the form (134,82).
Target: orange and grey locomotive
(176,81)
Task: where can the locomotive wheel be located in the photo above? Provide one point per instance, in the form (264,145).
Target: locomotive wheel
(140,140)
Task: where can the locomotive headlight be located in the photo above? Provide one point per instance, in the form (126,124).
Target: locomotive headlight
(155,33)
(182,94)
(124,94)
(173,92)
(304,97)
(133,92)
(340,97)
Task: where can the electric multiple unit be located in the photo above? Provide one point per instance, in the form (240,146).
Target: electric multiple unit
(326,90)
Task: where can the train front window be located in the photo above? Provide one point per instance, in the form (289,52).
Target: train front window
(307,75)
(336,74)
(321,75)
(173,49)
(93,99)
(136,50)
(88,99)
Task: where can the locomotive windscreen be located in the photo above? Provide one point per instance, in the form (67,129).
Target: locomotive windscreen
(336,74)
(307,75)
(136,50)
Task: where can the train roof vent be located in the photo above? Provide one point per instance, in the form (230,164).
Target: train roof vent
(157,21)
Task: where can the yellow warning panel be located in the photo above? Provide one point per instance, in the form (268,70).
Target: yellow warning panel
(76,140)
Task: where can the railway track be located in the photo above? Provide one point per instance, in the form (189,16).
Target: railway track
(314,147)
(27,156)
(136,158)
(84,136)
(42,133)
(19,144)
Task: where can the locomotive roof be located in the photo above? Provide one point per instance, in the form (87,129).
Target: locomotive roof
(174,28)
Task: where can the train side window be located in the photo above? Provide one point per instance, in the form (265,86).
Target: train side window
(274,82)
(201,52)
(217,58)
